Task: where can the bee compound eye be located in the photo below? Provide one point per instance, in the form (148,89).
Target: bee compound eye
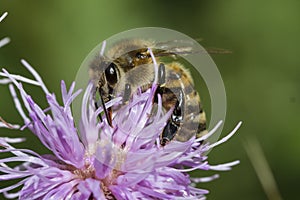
(111,74)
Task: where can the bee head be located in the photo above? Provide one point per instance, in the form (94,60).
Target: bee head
(105,76)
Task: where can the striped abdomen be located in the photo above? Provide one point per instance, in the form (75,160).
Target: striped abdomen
(188,118)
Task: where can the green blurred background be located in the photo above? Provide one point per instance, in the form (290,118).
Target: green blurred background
(261,76)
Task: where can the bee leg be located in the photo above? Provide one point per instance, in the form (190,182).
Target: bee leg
(99,115)
(168,133)
(96,103)
(127,93)
(175,120)
(161,74)
(173,124)
(107,112)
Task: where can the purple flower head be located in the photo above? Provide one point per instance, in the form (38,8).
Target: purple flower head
(96,160)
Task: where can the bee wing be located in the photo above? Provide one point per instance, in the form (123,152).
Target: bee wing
(183,47)
(214,50)
(173,52)
(176,45)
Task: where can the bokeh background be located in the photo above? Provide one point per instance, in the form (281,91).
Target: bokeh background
(261,76)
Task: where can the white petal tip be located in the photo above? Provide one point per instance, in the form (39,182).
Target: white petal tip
(226,137)
(4,41)
(3,16)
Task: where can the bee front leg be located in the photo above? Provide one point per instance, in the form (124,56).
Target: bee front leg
(96,103)
(107,112)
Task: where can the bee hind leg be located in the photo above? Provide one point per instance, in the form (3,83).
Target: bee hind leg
(177,100)
(173,124)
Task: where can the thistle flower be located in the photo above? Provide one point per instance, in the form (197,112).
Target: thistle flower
(95,160)
(98,161)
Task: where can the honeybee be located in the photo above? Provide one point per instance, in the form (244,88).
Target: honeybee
(128,65)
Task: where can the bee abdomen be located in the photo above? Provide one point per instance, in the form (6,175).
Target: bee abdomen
(193,117)
(193,123)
